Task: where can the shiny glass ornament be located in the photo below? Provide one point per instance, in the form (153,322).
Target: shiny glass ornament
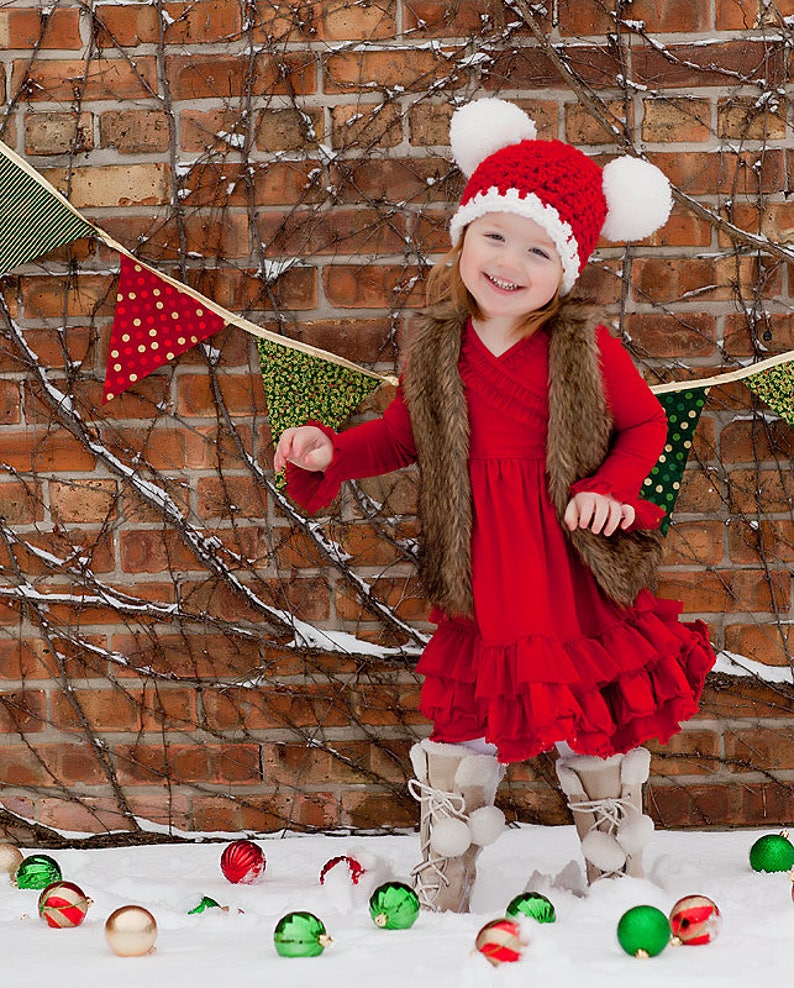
(10,859)
(394,906)
(300,934)
(500,941)
(207,902)
(243,862)
(131,931)
(773,852)
(694,920)
(531,904)
(354,868)
(37,871)
(63,905)
(643,931)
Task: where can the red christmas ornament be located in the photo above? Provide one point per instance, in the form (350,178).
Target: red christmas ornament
(500,941)
(354,868)
(243,862)
(694,920)
(63,905)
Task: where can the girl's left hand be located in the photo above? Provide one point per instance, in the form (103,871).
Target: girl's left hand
(597,512)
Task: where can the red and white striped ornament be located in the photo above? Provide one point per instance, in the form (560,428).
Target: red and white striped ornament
(354,868)
(500,941)
(243,862)
(63,905)
(694,920)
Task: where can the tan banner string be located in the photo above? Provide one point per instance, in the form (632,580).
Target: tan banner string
(727,377)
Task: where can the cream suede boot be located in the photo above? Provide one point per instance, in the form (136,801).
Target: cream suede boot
(605,798)
(455,789)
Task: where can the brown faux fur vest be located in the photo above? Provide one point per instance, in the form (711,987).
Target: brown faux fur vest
(579,434)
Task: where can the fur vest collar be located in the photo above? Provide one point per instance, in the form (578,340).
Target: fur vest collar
(622,564)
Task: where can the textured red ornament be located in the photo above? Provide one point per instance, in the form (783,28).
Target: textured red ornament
(500,941)
(355,869)
(63,905)
(242,862)
(154,322)
(694,920)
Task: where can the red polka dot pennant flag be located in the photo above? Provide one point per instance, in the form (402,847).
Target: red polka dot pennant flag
(154,323)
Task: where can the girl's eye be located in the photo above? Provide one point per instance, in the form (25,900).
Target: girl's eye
(495,236)
(540,253)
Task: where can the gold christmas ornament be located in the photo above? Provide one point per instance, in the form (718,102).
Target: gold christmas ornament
(10,859)
(131,931)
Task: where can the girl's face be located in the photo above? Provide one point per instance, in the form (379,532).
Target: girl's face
(510,266)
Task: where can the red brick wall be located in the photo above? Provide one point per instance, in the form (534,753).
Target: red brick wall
(212,136)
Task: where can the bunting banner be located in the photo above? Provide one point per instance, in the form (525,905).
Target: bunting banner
(34,217)
(157,318)
(300,386)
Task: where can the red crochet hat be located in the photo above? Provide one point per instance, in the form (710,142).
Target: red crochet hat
(552,183)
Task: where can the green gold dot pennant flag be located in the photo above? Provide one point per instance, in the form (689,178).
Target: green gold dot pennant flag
(775,387)
(663,483)
(300,386)
(34,217)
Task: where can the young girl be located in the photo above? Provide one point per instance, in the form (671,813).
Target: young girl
(533,432)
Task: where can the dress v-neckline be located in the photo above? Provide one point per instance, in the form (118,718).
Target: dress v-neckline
(497,357)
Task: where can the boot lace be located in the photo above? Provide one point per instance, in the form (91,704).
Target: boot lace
(430,874)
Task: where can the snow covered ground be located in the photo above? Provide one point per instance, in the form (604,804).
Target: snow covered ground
(235,948)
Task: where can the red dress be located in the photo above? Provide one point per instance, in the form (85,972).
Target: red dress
(548,657)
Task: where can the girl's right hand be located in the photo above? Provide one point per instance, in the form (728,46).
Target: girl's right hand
(307,447)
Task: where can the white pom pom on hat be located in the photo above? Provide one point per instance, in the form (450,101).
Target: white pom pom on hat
(484,126)
(638,198)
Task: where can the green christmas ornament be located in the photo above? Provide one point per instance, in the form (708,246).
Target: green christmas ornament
(394,906)
(206,903)
(300,935)
(644,931)
(773,852)
(532,904)
(37,871)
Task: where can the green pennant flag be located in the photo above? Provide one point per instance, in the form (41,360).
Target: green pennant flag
(34,218)
(300,386)
(775,387)
(663,483)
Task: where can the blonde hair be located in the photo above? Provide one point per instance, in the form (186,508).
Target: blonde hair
(446,295)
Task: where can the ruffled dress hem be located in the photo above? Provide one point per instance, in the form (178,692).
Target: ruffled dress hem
(636,680)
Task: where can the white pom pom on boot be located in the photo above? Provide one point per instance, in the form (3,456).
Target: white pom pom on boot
(456,791)
(605,798)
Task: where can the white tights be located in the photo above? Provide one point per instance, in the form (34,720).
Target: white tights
(482,747)
(479,746)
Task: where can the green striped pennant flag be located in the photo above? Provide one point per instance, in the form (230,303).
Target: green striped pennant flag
(34,217)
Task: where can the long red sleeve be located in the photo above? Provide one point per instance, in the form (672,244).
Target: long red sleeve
(367,450)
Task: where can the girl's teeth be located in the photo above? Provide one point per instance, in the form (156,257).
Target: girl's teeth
(506,286)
